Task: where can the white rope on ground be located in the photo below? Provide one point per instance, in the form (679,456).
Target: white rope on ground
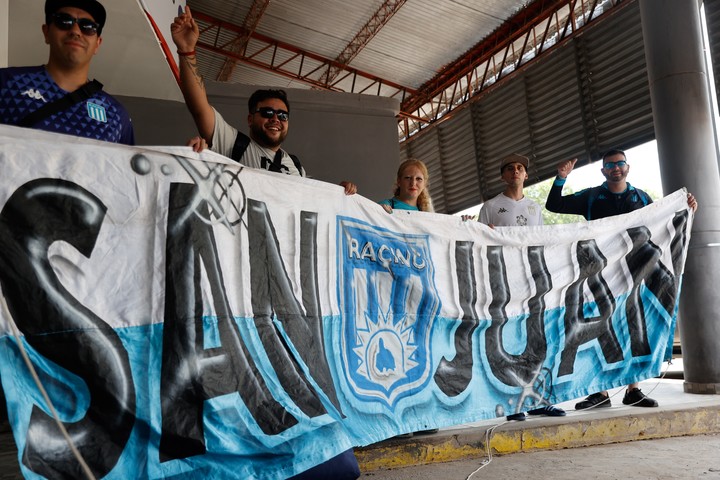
(76,453)
(486,461)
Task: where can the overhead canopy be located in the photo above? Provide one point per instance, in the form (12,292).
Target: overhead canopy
(476,80)
(589,95)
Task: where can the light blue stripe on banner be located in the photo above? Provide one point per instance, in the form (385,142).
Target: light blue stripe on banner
(235,448)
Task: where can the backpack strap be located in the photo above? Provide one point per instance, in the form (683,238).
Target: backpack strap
(70,99)
(594,194)
(643,196)
(296,161)
(242,142)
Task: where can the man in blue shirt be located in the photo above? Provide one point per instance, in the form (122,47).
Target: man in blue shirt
(614,197)
(72,30)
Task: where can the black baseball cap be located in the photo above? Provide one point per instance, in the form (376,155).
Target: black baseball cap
(93,7)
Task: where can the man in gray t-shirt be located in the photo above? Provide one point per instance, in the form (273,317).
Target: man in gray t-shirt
(268,114)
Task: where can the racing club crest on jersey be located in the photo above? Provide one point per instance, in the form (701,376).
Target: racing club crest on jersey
(389,303)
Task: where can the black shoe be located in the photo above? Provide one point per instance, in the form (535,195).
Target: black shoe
(427,432)
(518,417)
(549,410)
(596,400)
(636,398)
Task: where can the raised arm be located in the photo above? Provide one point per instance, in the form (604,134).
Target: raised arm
(185,35)
(565,167)
(556,202)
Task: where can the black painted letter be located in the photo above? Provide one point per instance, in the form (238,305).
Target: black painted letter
(61,329)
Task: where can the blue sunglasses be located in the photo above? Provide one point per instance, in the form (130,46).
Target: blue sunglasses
(611,165)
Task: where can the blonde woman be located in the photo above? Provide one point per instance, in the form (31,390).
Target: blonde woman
(411,188)
(411,193)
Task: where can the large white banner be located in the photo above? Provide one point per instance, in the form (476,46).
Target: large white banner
(187,316)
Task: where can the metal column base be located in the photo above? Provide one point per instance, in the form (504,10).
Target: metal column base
(702,388)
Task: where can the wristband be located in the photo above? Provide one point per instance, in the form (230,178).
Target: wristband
(186,54)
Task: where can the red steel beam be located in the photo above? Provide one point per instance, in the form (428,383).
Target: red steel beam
(252,20)
(501,38)
(431,101)
(381,16)
(208,23)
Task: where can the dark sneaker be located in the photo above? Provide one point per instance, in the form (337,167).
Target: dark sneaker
(549,410)
(596,400)
(636,398)
(427,432)
(518,417)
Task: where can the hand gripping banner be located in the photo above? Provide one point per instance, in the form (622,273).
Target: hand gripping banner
(169,315)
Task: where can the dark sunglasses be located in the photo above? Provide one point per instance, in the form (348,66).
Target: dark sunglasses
(268,112)
(65,21)
(611,165)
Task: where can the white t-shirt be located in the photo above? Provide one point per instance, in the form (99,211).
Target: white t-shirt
(503,211)
(255,156)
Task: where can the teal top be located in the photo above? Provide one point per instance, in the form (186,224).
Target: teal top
(396,204)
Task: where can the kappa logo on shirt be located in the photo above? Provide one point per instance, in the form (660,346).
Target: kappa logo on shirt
(502,210)
(96,112)
(35,94)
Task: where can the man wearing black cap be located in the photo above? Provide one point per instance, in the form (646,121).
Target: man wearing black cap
(58,96)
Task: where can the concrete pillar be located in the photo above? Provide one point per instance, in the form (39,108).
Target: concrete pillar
(688,158)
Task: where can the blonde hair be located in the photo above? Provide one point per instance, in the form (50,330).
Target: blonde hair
(424,202)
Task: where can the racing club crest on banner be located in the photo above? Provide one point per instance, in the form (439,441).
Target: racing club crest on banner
(389,303)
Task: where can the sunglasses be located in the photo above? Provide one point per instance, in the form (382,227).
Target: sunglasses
(65,21)
(611,165)
(268,112)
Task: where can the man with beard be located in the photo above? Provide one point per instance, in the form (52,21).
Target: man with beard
(268,118)
(268,114)
(614,197)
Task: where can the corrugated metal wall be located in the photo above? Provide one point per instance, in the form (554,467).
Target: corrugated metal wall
(587,96)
